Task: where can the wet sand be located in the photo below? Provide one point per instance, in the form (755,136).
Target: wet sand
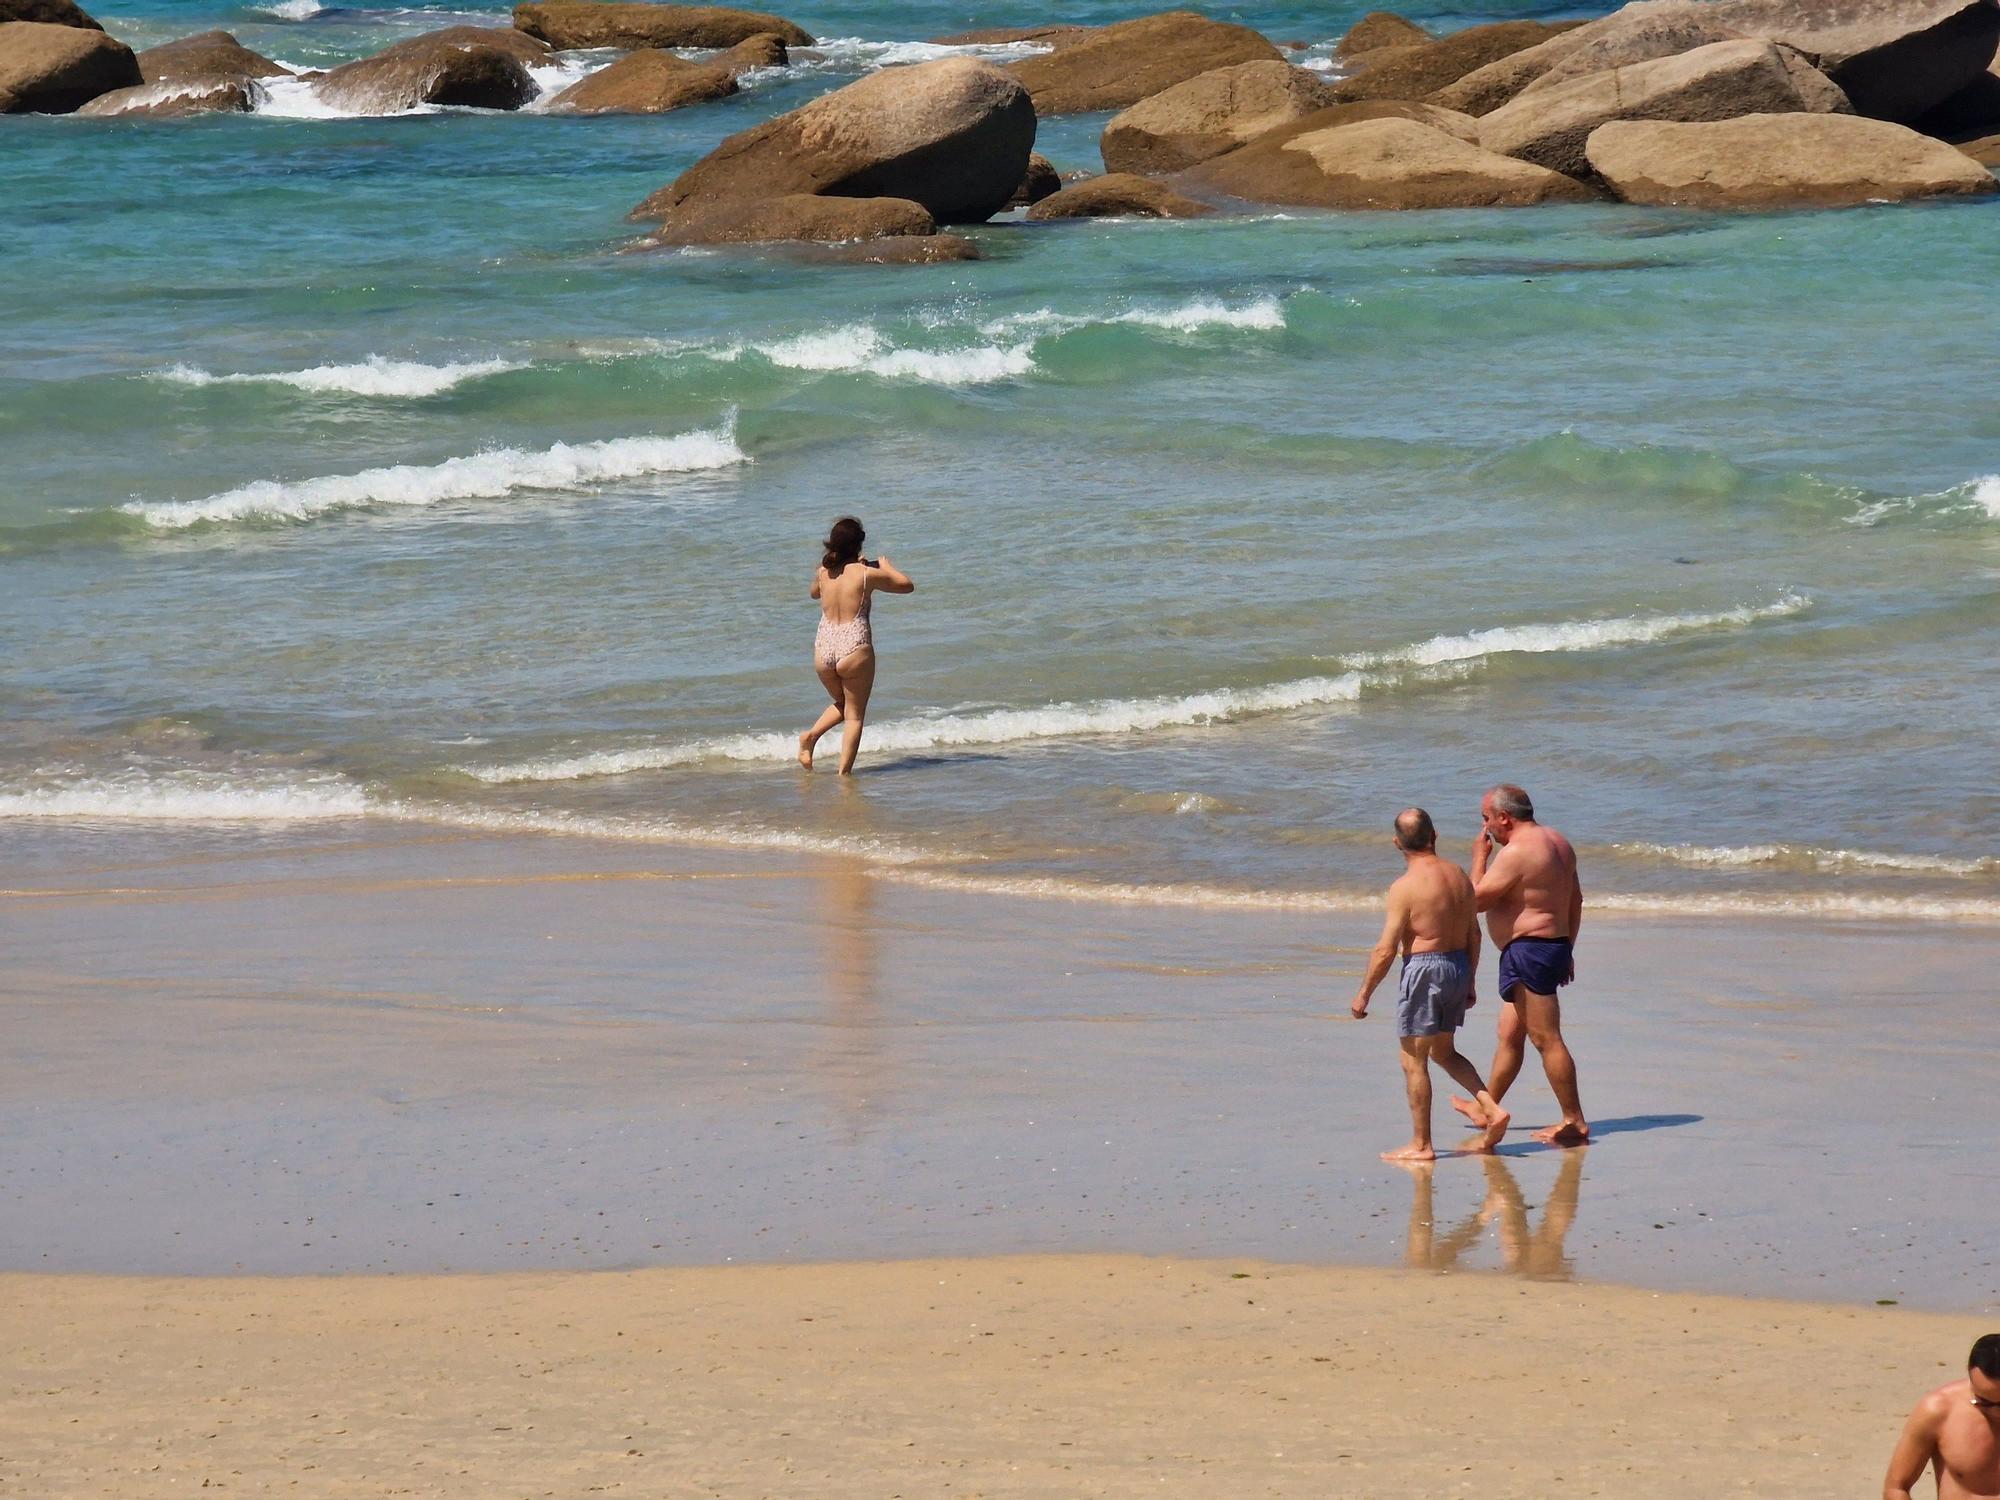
(1021,1377)
(368,1048)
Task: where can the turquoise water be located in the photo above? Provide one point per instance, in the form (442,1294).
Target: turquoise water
(348,471)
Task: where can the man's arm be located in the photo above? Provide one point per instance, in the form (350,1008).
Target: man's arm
(1491,882)
(1472,955)
(1384,952)
(1915,1450)
(1575,905)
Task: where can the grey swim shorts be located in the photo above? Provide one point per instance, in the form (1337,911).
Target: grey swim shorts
(1433,992)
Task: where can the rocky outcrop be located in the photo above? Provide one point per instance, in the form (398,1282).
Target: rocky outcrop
(1973,110)
(952,135)
(1418,72)
(524,49)
(1118,195)
(895,250)
(1619,41)
(1116,66)
(207,57)
(175,99)
(48,13)
(1985,150)
(1379,29)
(1208,175)
(1486,88)
(567,24)
(1716,82)
(434,69)
(1054,37)
(646,82)
(1209,114)
(796,216)
(764,50)
(1894,59)
(1779,160)
(50,69)
(1040,181)
(1381,163)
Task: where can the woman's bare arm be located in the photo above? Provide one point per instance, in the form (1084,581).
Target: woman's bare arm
(890,577)
(819,576)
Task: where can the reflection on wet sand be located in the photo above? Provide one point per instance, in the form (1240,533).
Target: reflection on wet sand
(1536,1253)
(851,1057)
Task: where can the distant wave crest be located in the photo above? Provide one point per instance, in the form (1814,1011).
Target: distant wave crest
(375,376)
(486,475)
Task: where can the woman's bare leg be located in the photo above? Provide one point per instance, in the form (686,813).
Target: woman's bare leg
(857,681)
(829,716)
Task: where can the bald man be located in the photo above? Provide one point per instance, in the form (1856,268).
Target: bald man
(1432,922)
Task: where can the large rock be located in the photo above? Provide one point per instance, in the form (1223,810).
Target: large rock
(1381,163)
(50,69)
(1779,160)
(764,50)
(1716,82)
(953,135)
(428,70)
(1379,29)
(1040,181)
(524,49)
(206,57)
(1118,195)
(646,82)
(796,216)
(1054,37)
(1117,66)
(593,23)
(1619,41)
(1211,113)
(175,99)
(1894,58)
(1418,72)
(1451,123)
(893,250)
(1973,111)
(1985,150)
(48,13)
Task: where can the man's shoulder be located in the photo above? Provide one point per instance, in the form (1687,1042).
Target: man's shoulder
(1940,1403)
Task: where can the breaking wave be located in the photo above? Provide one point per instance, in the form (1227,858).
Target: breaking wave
(375,376)
(1811,858)
(999,726)
(486,475)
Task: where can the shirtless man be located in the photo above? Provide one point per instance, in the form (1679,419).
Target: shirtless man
(1954,1432)
(1432,923)
(1534,905)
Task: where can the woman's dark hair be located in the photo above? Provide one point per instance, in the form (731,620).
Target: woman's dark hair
(843,545)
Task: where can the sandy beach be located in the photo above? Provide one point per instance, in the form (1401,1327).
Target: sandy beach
(1014,1376)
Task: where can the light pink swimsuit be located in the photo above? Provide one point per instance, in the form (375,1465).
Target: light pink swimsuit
(836,640)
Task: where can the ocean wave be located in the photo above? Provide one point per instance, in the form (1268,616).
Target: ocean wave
(1978,498)
(1573,635)
(289,10)
(855,54)
(375,376)
(861,348)
(1810,858)
(188,799)
(297,99)
(1197,315)
(486,475)
(1366,671)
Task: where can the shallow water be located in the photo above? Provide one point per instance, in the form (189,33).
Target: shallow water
(347,468)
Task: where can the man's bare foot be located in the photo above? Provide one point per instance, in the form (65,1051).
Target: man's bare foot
(1496,1129)
(1472,1109)
(1569,1133)
(1411,1152)
(805,753)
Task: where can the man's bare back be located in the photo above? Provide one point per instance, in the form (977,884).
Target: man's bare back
(1955,1437)
(1435,897)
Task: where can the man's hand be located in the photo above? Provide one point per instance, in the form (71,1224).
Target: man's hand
(1359,1009)
(1482,850)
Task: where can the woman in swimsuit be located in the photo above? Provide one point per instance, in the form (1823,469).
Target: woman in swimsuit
(844,649)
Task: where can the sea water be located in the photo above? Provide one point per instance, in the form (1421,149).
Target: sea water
(348,470)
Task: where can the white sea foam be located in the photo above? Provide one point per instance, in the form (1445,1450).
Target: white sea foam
(1986,495)
(854,54)
(1196,316)
(291,10)
(375,376)
(297,99)
(998,726)
(1572,635)
(187,799)
(1810,857)
(861,348)
(488,475)
(1976,497)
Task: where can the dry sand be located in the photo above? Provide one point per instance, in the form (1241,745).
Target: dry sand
(1010,1376)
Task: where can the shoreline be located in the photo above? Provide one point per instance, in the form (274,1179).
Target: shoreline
(497,1054)
(1023,1376)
